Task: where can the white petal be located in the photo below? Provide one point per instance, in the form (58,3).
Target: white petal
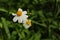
(19,20)
(24,18)
(26,26)
(15,19)
(13,14)
(19,9)
(24,21)
(24,12)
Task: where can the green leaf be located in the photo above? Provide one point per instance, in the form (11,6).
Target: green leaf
(3,10)
(5,27)
(37,36)
(0,25)
(41,13)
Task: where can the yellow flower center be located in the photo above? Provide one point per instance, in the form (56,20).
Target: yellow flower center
(28,22)
(19,13)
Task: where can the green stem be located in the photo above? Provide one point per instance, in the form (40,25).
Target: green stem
(38,23)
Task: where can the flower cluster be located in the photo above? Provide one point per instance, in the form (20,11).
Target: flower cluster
(21,17)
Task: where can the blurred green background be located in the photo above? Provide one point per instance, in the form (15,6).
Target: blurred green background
(45,16)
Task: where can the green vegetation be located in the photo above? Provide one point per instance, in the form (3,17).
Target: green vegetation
(45,16)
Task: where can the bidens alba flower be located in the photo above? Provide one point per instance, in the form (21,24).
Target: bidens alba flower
(27,24)
(20,16)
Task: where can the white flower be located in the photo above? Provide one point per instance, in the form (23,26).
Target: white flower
(27,24)
(20,16)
